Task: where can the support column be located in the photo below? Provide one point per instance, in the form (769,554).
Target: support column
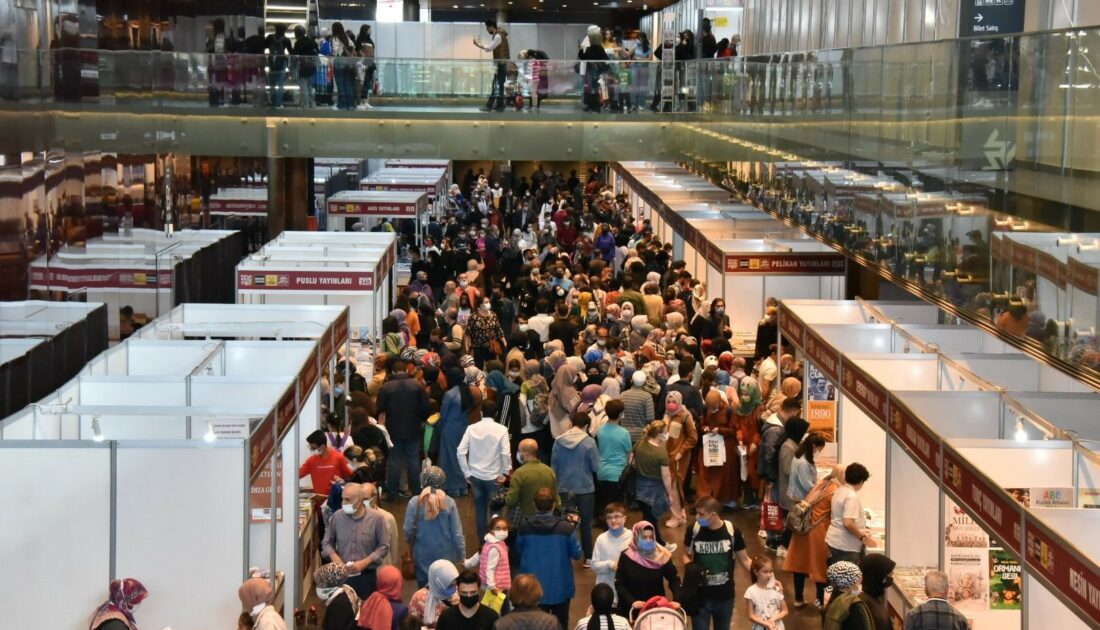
(289,194)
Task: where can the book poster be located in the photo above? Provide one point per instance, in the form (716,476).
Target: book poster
(820,403)
(1004,580)
(259,499)
(1021,495)
(960,531)
(967,575)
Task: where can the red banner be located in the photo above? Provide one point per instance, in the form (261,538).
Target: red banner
(261,444)
(864,391)
(798,263)
(287,411)
(1065,570)
(57,279)
(1021,255)
(996,245)
(1051,268)
(371,208)
(310,372)
(400,185)
(1083,276)
(792,327)
(270,280)
(985,501)
(327,345)
(823,356)
(922,443)
(340,331)
(256,207)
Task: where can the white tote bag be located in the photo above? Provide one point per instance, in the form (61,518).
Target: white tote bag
(714,450)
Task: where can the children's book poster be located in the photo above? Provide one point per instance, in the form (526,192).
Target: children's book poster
(1004,580)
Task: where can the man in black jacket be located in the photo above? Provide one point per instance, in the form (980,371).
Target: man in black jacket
(402,407)
(305,56)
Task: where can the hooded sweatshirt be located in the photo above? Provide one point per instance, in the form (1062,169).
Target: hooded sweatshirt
(772,436)
(575,459)
(547,543)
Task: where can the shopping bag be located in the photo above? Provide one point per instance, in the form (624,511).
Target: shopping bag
(714,450)
(743,453)
(772,516)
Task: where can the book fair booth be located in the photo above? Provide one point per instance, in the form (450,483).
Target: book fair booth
(146,270)
(370,207)
(178,455)
(44,344)
(354,269)
(1001,443)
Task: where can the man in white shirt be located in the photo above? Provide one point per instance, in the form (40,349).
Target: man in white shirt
(540,322)
(848,536)
(485,457)
(768,371)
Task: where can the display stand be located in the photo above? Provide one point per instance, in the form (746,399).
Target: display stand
(371,206)
(267,393)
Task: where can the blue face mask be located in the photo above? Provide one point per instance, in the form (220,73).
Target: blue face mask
(703,522)
(616,531)
(339,390)
(647,546)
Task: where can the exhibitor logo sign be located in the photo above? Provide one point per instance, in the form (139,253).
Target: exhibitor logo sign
(305,281)
(372,209)
(825,264)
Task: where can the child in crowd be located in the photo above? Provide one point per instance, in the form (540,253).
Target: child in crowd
(492,560)
(611,544)
(765,604)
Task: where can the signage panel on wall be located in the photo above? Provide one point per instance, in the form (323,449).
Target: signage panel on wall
(990,17)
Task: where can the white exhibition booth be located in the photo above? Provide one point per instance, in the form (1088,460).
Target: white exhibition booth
(368,207)
(172,453)
(739,253)
(446,165)
(239,202)
(432,181)
(136,270)
(353,269)
(999,444)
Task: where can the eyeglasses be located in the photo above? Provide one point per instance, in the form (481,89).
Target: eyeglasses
(616,517)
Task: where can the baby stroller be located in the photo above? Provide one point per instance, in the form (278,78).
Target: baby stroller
(659,614)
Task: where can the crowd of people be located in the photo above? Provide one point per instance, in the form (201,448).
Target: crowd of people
(565,372)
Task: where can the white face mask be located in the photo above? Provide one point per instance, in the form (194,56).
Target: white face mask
(324,593)
(349,508)
(500,535)
(315,451)
(663,437)
(462,283)
(257,609)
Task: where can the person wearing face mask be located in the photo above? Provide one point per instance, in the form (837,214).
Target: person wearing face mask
(484,335)
(547,543)
(256,597)
(341,603)
(718,547)
(493,561)
(432,526)
(469,614)
(485,458)
(574,460)
(654,478)
(644,568)
(324,464)
(611,544)
(877,572)
(846,610)
(531,476)
(682,439)
(439,594)
(356,537)
(383,610)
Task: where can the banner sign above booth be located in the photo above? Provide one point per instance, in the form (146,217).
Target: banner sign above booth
(823,356)
(987,502)
(787,263)
(792,327)
(424,187)
(54,279)
(1063,569)
(372,208)
(308,378)
(253,207)
(1084,277)
(918,440)
(340,330)
(287,411)
(301,280)
(261,445)
(865,391)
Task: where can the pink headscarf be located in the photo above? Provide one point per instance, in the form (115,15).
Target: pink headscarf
(660,557)
(123,596)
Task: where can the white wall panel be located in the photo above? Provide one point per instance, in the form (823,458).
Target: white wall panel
(57,535)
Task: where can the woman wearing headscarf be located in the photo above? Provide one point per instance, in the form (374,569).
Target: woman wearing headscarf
(791,387)
(563,398)
(590,395)
(535,348)
(746,418)
(534,385)
(453,420)
(846,610)
(384,609)
(117,613)
(438,526)
(256,597)
(393,340)
(341,602)
(722,482)
(807,554)
(877,572)
(505,391)
(475,381)
(644,568)
(439,593)
(682,438)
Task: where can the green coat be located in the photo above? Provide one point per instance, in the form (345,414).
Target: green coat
(526,481)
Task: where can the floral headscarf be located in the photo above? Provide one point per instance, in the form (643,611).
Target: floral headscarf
(749,387)
(122,596)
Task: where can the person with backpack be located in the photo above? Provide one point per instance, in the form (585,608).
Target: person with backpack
(278,46)
(807,553)
(305,56)
(772,436)
(718,546)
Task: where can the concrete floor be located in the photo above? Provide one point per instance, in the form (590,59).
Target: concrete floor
(806,618)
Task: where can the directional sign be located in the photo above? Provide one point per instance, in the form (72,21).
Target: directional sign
(990,17)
